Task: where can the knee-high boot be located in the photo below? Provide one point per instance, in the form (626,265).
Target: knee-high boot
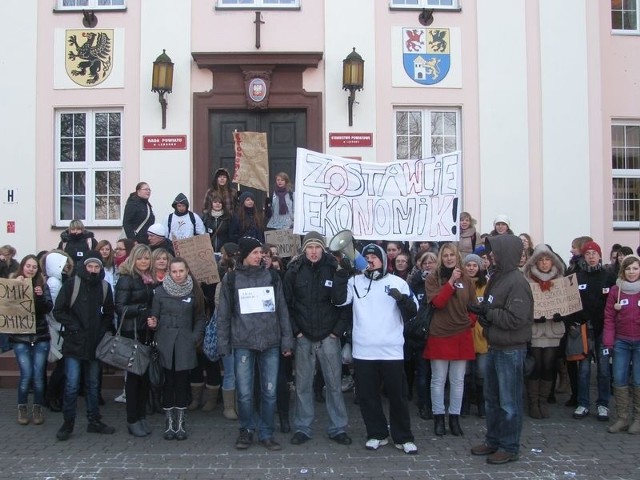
(621,394)
(544,390)
(533,387)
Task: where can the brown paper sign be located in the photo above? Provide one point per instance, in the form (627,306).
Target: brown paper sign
(563,298)
(17,307)
(198,253)
(286,242)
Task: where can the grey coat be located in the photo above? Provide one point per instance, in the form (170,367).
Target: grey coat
(180,329)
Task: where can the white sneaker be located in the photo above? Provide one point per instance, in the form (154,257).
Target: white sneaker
(122,398)
(374,443)
(580,412)
(347,383)
(603,413)
(407,447)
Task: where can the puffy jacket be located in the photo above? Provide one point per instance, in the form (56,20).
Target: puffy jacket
(594,286)
(135,211)
(180,329)
(623,323)
(133,300)
(218,229)
(85,322)
(43,305)
(256,331)
(508,292)
(77,245)
(307,288)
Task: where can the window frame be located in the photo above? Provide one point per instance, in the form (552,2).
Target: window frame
(623,174)
(92,5)
(90,166)
(258,4)
(426,134)
(424,4)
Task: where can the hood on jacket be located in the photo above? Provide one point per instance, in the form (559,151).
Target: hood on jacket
(54,264)
(180,198)
(66,236)
(542,250)
(376,250)
(506,249)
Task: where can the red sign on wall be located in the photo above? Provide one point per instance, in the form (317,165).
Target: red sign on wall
(351,139)
(164,142)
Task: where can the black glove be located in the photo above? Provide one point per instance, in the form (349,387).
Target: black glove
(480,308)
(540,320)
(484,321)
(557,317)
(395,293)
(345,266)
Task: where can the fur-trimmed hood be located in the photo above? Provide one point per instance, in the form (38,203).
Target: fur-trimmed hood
(540,251)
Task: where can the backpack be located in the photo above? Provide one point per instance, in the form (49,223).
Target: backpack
(76,290)
(193,221)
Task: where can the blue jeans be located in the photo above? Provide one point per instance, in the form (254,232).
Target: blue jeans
(32,360)
(229,378)
(328,353)
(624,352)
(245,363)
(603,378)
(91,370)
(503,387)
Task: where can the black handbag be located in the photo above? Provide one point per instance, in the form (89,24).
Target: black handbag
(124,353)
(417,328)
(156,372)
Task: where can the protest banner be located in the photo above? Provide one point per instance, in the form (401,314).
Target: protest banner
(411,200)
(252,160)
(562,298)
(285,241)
(17,306)
(198,253)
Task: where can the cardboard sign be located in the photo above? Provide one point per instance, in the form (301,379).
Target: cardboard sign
(563,298)
(17,306)
(285,241)
(198,253)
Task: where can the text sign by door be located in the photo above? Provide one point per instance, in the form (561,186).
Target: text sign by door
(350,139)
(164,142)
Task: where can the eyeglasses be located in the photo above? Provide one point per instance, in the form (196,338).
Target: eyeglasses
(145,189)
(119,249)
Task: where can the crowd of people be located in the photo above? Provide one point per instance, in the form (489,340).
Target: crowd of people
(316,322)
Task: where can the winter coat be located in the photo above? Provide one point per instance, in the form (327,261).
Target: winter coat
(256,331)
(467,243)
(218,229)
(509,297)
(77,245)
(249,230)
(133,301)
(276,220)
(135,211)
(183,225)
(43,305)
(7,270)
(307,288)
(229,196)
(594,285)
(623,324)
(180,328)
(89,318)
(54,265)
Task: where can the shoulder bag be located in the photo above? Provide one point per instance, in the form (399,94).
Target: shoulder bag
(122,352)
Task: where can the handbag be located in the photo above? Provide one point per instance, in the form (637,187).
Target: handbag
(122,352)
(577,342)
(417,328)
(210,342)
(156,372)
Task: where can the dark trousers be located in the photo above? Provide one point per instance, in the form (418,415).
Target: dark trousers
(137,390)
(175,391)
(212,369)
(369,378)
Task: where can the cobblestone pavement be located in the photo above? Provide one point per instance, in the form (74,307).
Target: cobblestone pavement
(556,448)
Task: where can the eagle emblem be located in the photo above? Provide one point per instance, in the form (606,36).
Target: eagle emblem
(426,54)
(89,56)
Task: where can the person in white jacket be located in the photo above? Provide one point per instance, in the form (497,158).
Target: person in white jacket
(183,223)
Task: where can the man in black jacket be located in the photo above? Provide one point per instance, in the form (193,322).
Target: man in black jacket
(317,326)
(506,315)
(85,308)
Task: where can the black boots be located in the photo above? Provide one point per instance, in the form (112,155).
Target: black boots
(181,420)
(65,430)
(454,425)
(169,424)
(438,425)
(285,426)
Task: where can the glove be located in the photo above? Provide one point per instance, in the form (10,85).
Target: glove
(540,320)
(395,293)
(344,265)
(557,317)
(484,321)
(480,308)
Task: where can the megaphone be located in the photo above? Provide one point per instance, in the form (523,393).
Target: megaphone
(342,242)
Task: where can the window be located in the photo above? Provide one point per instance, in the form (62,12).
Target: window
(418,4)
(625,164)
(88,167)
(624,16)
(258,3)
(93,4)
(421,133)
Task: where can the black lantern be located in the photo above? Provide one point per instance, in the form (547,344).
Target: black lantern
(352,78)
(162,82)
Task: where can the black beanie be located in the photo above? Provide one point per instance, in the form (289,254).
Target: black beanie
(246,245)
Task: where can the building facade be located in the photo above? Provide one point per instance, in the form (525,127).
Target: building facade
(541,97)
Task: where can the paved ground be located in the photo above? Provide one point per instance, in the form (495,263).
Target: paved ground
(557,448)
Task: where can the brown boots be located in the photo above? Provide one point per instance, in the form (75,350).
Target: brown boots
(229,401)
(196,396)
(537,393)
(210,398)
(621,394)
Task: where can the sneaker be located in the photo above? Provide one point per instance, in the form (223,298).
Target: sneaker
(580,412)
(347,383)
(96,426)
(244,439)
(407,447)
(299,438)
(122,398)
(342,438)
(603,413)
(374,443)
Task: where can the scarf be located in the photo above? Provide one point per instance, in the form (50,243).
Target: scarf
(147,279)
(216,214)
(281,193)
(175,290)
(117,261)
(544,279)
(589,269)
(469,232)
(630,288)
